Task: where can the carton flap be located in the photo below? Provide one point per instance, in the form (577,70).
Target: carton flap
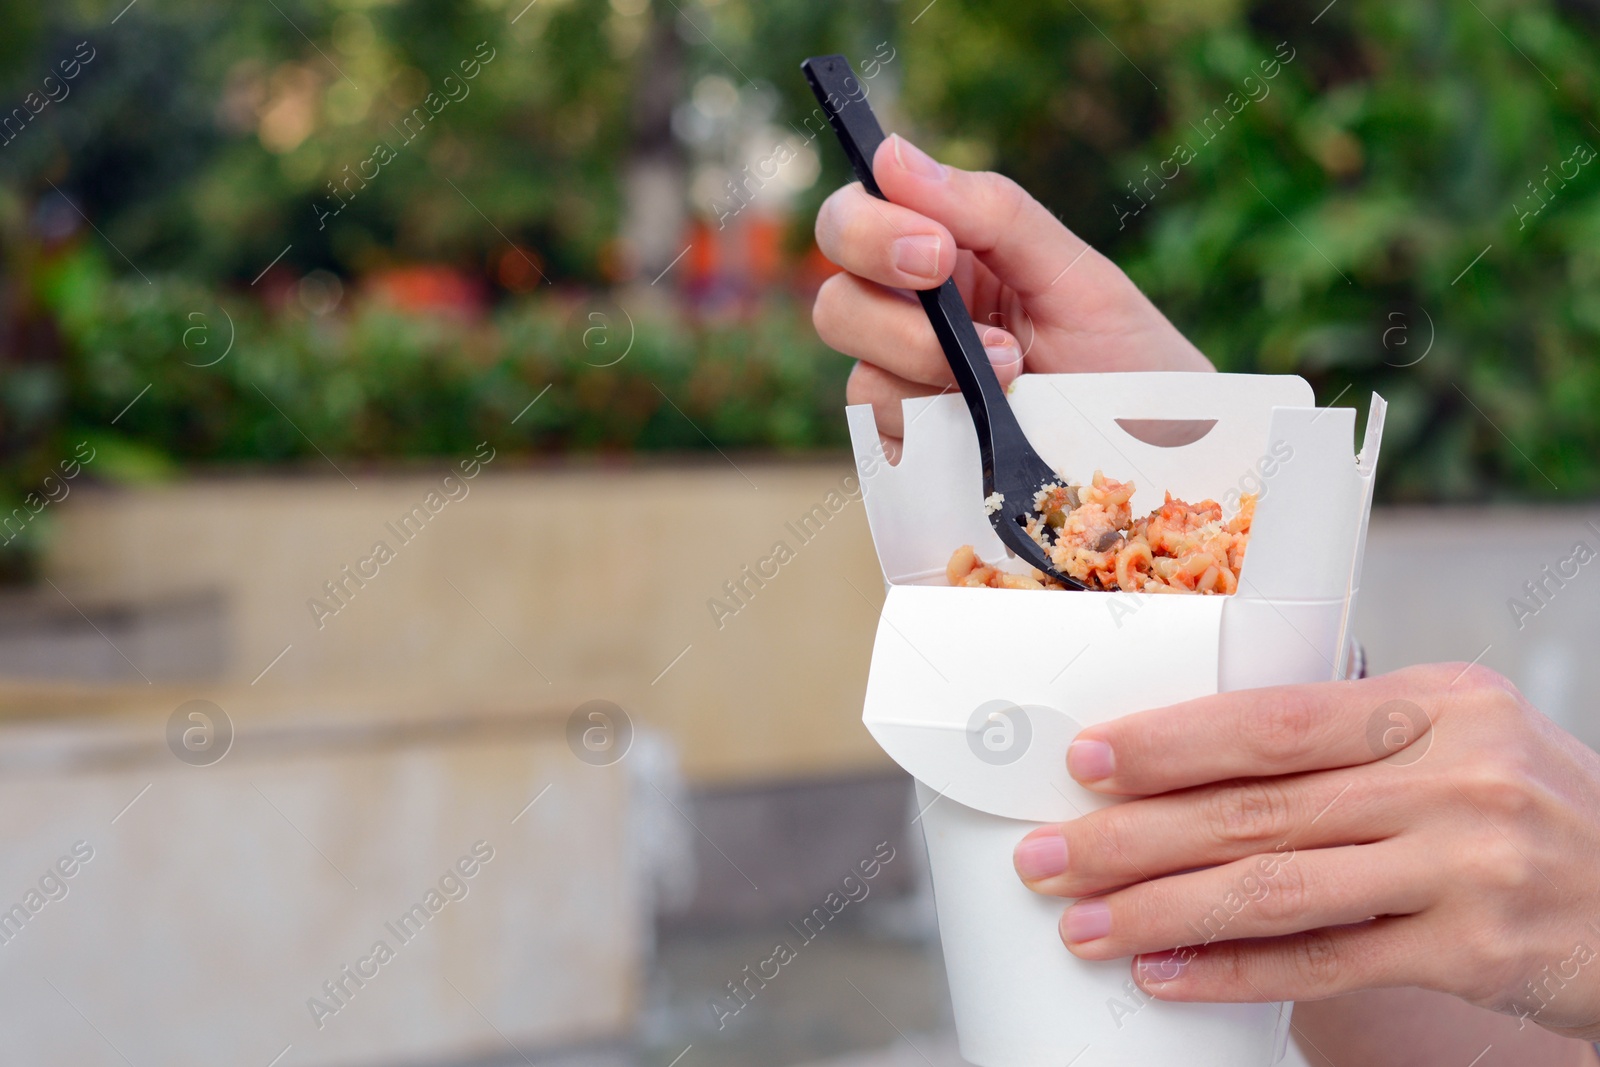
(1303,538)
(923,508)
(1367,468)
(992,733)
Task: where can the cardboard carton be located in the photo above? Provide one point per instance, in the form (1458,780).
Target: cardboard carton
(977,692)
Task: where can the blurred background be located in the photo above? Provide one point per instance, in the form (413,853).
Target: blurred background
(519,291)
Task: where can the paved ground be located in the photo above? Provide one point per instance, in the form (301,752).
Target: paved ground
(913,1050)
(848,990)
(854,998)
(868,991)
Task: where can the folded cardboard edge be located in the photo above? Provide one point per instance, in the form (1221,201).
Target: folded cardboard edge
(944,658)
(1367,465)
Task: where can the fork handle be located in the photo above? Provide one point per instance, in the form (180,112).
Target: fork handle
(844,99)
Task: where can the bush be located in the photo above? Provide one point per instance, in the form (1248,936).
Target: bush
(380,384)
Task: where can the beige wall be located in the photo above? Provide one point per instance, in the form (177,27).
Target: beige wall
(218,899)
(601,577)
(589,584)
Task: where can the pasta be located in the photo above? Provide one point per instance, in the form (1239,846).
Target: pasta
(1178,548)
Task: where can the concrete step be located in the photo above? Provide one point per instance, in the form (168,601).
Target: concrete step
(86,636)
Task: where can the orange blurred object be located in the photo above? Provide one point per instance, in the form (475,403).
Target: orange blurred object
(614,261)
(763,249)
(703,260)
(431,288)
(519,269)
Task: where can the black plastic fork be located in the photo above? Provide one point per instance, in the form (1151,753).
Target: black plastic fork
(1011,467)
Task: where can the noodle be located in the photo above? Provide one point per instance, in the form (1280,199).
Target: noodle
(1178,548)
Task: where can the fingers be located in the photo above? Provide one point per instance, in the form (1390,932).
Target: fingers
(1384,952)
(887,243)
(910,240)
(1039,261)
(1245,734)
(1158,836)
(873,385)
(1271,895)
(888,328)
(991,215)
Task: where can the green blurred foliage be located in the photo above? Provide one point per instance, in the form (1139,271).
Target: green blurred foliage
(1325,221)
(1319,221)
(231,383)
(205,137)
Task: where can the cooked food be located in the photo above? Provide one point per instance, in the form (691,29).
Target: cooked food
(1178,548)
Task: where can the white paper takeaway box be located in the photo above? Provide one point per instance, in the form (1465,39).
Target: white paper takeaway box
(945,658)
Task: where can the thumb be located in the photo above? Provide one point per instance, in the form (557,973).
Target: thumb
(993,217)
(1004,352)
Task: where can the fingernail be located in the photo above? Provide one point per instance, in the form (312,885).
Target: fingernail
(1041,857)
(1003,353)
(1086,921)
(1155,968)
(917,255)
(1089,761)
(916,161)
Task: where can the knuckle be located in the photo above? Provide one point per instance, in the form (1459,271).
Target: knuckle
(1495,958)
(1097,846)
(1475,982)
(1485,967)
(1426,677)
(1000,188)
(1286,728)
(854,393)
(826,310)
(847,232)
(912,334)
(1248,812)
(1500,784)
(838,221)
(1007,198)
(1476,985)
(1228,966)
(1287,894)
(1314,959)
(1494,863)
(1492,690)
(864,384)
(866,234)
(822,230)
(1477,678)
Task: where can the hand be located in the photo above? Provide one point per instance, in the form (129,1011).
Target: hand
(1042,299)
(1329,848)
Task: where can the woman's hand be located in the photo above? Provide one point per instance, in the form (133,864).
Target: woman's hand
(1424,828)
(1042,299)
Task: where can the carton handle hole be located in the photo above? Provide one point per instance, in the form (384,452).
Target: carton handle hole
(1167,433)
